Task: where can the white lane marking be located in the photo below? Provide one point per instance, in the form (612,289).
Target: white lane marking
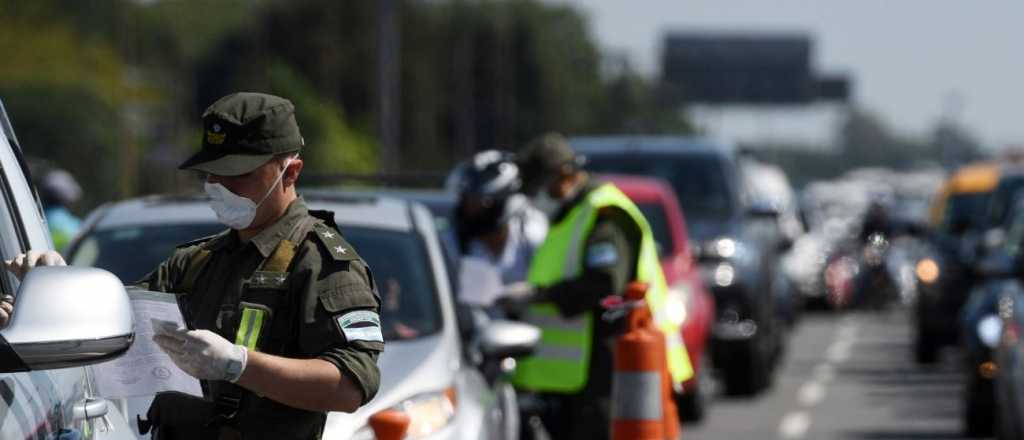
(794,425)
(824,372)
(838,352)
(846,332)
(810,394)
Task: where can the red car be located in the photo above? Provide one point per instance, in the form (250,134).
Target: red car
(659,204)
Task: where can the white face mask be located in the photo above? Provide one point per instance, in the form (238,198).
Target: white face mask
(545,203)
(233,210)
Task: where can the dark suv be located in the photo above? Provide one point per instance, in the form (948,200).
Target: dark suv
(734,243)
(972,205)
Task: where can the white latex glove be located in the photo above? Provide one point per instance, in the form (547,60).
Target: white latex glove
(203,354)
(21,264)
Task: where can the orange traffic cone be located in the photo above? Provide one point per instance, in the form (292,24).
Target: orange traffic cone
(389,424)
(642,405)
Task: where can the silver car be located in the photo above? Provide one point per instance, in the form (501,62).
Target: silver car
(64,319)
(446,374)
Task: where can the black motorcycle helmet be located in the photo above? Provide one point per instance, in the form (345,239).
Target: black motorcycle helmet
(484,185)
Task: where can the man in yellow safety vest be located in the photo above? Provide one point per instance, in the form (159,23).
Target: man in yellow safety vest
(597,243)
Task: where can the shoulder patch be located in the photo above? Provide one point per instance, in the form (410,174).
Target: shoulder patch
(360,325)
(602,255)
(335,244)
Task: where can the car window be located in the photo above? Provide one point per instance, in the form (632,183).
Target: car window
(658,220)
(401,269)
(1002,199)
(700,181)
(965,212)
(132,252)
(10,245)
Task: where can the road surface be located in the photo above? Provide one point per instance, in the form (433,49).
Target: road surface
(848,376)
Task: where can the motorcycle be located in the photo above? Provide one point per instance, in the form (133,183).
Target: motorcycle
(876,287)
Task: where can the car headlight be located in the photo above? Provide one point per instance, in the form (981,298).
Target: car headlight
(719,248)
(927,270)
(678,302)
(428,413)
(724,275)
(990,328)
(364,433)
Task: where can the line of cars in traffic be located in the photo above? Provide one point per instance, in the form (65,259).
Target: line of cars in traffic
(969,293)
(721,259)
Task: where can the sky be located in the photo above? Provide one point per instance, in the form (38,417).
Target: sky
(912,61)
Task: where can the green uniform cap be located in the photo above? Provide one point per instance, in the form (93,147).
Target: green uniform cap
(243,131)
(543,159)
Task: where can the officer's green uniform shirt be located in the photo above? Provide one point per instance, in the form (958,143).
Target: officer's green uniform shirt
(323,284)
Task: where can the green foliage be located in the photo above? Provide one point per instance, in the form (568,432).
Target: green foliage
(126,80)
(72,128)
(331,145)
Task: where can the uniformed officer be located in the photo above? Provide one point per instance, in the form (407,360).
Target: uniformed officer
(282,313)
(597,243)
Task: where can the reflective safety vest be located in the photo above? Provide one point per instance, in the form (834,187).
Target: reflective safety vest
(562,359)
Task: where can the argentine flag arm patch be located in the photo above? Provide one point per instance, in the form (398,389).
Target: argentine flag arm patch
(601,255)
(360,325)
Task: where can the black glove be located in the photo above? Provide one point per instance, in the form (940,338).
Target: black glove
(515,303)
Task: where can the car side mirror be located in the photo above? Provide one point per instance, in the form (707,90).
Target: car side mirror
(66,316)
(505,339)
(760,209)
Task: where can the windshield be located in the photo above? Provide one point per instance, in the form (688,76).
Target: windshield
(131,252)
(398,260)
(965,212)
(402,271)
(700,181)
(1015,235)
(1002,198)
(656,217)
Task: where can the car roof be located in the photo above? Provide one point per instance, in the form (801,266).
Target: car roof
(979,177)
(434,199)
(350,210)
(638,187)
(597,145)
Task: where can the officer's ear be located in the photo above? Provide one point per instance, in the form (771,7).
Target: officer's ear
(291,173)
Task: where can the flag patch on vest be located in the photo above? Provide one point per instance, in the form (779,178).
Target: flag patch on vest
(360,325)
(602,255)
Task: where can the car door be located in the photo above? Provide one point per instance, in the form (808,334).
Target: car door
(36,404)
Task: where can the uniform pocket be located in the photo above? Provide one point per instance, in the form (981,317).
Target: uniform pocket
(346,294)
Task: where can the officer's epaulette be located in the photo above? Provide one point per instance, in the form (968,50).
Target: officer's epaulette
(335,244)
(203,240)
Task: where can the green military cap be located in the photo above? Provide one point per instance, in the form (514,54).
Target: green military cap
(544,158)
(243,131)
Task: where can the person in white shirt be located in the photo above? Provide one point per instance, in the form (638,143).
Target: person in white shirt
(494,224)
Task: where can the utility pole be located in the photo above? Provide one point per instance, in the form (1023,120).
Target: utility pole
(388,84)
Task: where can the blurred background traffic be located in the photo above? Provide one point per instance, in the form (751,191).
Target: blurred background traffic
(835,197)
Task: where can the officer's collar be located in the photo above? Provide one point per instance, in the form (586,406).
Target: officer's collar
(586,187)
(267,240)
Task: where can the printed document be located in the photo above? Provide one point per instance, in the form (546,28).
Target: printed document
(146,370)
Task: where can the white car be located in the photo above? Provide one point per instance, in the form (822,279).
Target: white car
(449,378)
(45,388)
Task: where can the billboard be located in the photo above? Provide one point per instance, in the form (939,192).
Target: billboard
(745,69)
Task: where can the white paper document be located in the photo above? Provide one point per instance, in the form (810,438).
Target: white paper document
(146,370)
